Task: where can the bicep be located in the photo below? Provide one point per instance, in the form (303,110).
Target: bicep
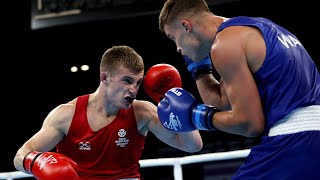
(148,118)
(240,88)
(46,138)
(224,98)
(239,85)
(53,130)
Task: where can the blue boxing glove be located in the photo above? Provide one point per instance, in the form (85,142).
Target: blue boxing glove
(201,67)
(179,111)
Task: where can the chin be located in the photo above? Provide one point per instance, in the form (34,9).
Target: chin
(127,106)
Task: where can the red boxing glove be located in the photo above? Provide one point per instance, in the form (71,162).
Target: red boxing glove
(159,79)
(50,166)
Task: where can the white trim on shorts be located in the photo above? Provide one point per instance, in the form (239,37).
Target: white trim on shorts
(299,120)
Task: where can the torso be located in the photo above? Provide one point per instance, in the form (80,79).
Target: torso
(92,137)
(279,63)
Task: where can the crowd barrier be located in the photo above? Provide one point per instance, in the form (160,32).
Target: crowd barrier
(175,162)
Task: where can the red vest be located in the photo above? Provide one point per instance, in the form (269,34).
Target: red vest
(112,152)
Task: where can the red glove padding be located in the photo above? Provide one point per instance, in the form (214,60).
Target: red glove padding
(159,79)
(50,166)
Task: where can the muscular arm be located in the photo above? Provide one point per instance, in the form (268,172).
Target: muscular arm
(212,92)
(147,117)
(232,58)
(54,128)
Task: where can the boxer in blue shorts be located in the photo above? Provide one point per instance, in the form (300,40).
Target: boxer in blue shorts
(268,86)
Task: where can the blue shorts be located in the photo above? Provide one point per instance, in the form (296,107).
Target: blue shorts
(283,157)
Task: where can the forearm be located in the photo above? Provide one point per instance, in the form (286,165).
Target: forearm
(226,121)
(18,159)
(209,90)
(190,141)
(208,86)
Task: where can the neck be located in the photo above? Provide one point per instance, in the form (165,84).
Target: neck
(99,103)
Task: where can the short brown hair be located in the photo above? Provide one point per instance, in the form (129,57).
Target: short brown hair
(121,55)
(172,9)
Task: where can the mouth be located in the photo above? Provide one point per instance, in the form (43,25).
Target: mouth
(129,99)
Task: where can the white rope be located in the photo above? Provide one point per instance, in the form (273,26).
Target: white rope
(14,175)
(175,162)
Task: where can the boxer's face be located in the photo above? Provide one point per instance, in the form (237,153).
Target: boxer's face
(123,87)
(187,39)
(181,37)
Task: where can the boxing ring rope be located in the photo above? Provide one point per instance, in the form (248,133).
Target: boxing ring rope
(175,162)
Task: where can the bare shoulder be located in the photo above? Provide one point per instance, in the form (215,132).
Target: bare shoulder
(61,115)
(143,108)
(145,111)
(66,108)
(240,42)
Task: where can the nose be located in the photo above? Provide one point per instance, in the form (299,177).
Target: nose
(134,90)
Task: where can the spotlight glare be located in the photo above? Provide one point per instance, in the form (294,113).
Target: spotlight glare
(84,67)
(73,69)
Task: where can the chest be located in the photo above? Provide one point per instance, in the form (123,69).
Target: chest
(97,121)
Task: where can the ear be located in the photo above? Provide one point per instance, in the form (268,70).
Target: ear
(103,77)
(186,25)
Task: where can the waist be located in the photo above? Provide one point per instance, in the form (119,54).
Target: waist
(299,120)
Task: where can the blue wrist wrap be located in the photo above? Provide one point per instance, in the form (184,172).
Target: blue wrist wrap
(201,67)
(202,117)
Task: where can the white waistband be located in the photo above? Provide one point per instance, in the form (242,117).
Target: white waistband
(301,119)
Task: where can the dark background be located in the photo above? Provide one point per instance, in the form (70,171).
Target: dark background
(36,63)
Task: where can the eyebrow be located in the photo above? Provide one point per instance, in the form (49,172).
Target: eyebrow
(129,77)
(126,77)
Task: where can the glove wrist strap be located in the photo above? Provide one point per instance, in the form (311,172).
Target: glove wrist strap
(202,67)
(29,159)
(202,117)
